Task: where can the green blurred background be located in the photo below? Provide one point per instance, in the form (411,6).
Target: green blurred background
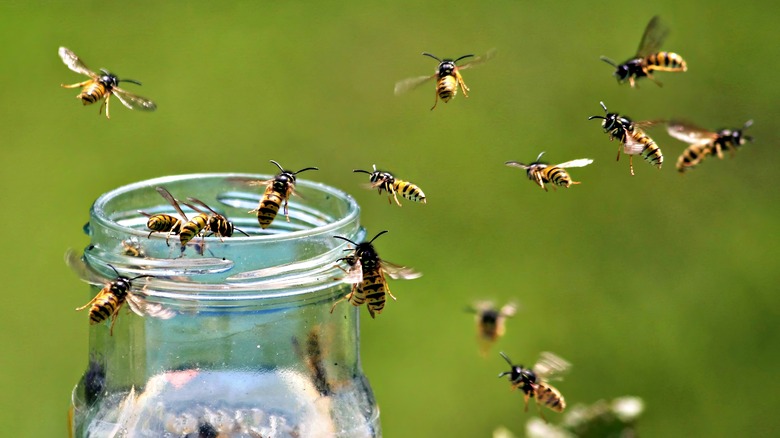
(659,285)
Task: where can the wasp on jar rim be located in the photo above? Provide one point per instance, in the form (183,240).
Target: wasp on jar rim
(648,58)
(110,299)
(189,228)
(633,140)
(447,76)
(491,321)
(218,224)
(277,192)
(366,273)
(102,86)
(543,173)
(385,181)
(704,142)
(533,381)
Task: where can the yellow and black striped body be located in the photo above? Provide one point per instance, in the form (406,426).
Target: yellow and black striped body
(555,175)
(641,143)
(447,88)
(408,190)
(634,140)
(448,79)
(692,156)
(275,194)
(193,228)
(663,61)
(374,288)
(163,223)
(108,301)
(220,226)
(548,396)
(93,92)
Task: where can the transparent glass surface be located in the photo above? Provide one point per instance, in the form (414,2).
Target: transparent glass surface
(232,337)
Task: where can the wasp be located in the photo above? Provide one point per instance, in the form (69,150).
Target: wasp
(543,174)
(533,381)
(447,76)
(366,272)
(385,181)
(648,58)
(491,321)
(704,142)
(189,228)
(217,224)
(102,86)
(633,139)
(163,223)
(107,303)
(278,190)
(132,247)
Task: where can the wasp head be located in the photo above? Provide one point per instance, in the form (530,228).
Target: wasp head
(523,378)
(108,79)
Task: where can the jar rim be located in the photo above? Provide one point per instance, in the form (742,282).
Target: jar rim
(262,265)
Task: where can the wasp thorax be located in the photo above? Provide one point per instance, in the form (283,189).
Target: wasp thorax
(108,80)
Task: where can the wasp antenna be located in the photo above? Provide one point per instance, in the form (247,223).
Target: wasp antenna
(608,61)
(362,171)
(462,57)
(112,267)
(603,106)
(428,54)
(305,169)
(540,156)
(130,80)
(140,276)
(378,234)
(240,231)
(277,165)
(344,238)
(596,117)
(506,359)
(504,374)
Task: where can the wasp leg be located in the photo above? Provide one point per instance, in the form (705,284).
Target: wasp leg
(80,84)
(620,146)
(286,211)
(436,101)
(462,84)
(539,408)
(88,304)
(631,164)
(113,320)
(105,103)
(344,298)
(396,198)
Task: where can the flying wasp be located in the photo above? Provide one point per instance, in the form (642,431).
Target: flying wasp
(633,139)
(366,272)
(648,58)
(102,86)
(385,181)
(491,321)
(278,190)
(107,303)
(218,224)
(533,381)
(704,142)
(447,75)
(543,174)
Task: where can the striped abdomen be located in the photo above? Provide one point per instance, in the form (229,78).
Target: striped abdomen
(550,397)
(641,143)
(269,206)
(93,92)
(164,223)
(447,87)
(693,155)
(557,176)
(106,303)
(193,228)
(374,289)
(665,61)
(409,191)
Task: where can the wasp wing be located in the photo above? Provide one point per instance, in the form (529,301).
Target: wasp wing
(409,84)
(517,164)
(509,309)
(655,34)
(479,60)
(141,307)
(633,147)
(133,101)
(75,63)
(550,365)
(397,272)
(688,132)
(171,200)
(582,162)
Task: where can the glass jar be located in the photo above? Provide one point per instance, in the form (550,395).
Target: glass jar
(233,337)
